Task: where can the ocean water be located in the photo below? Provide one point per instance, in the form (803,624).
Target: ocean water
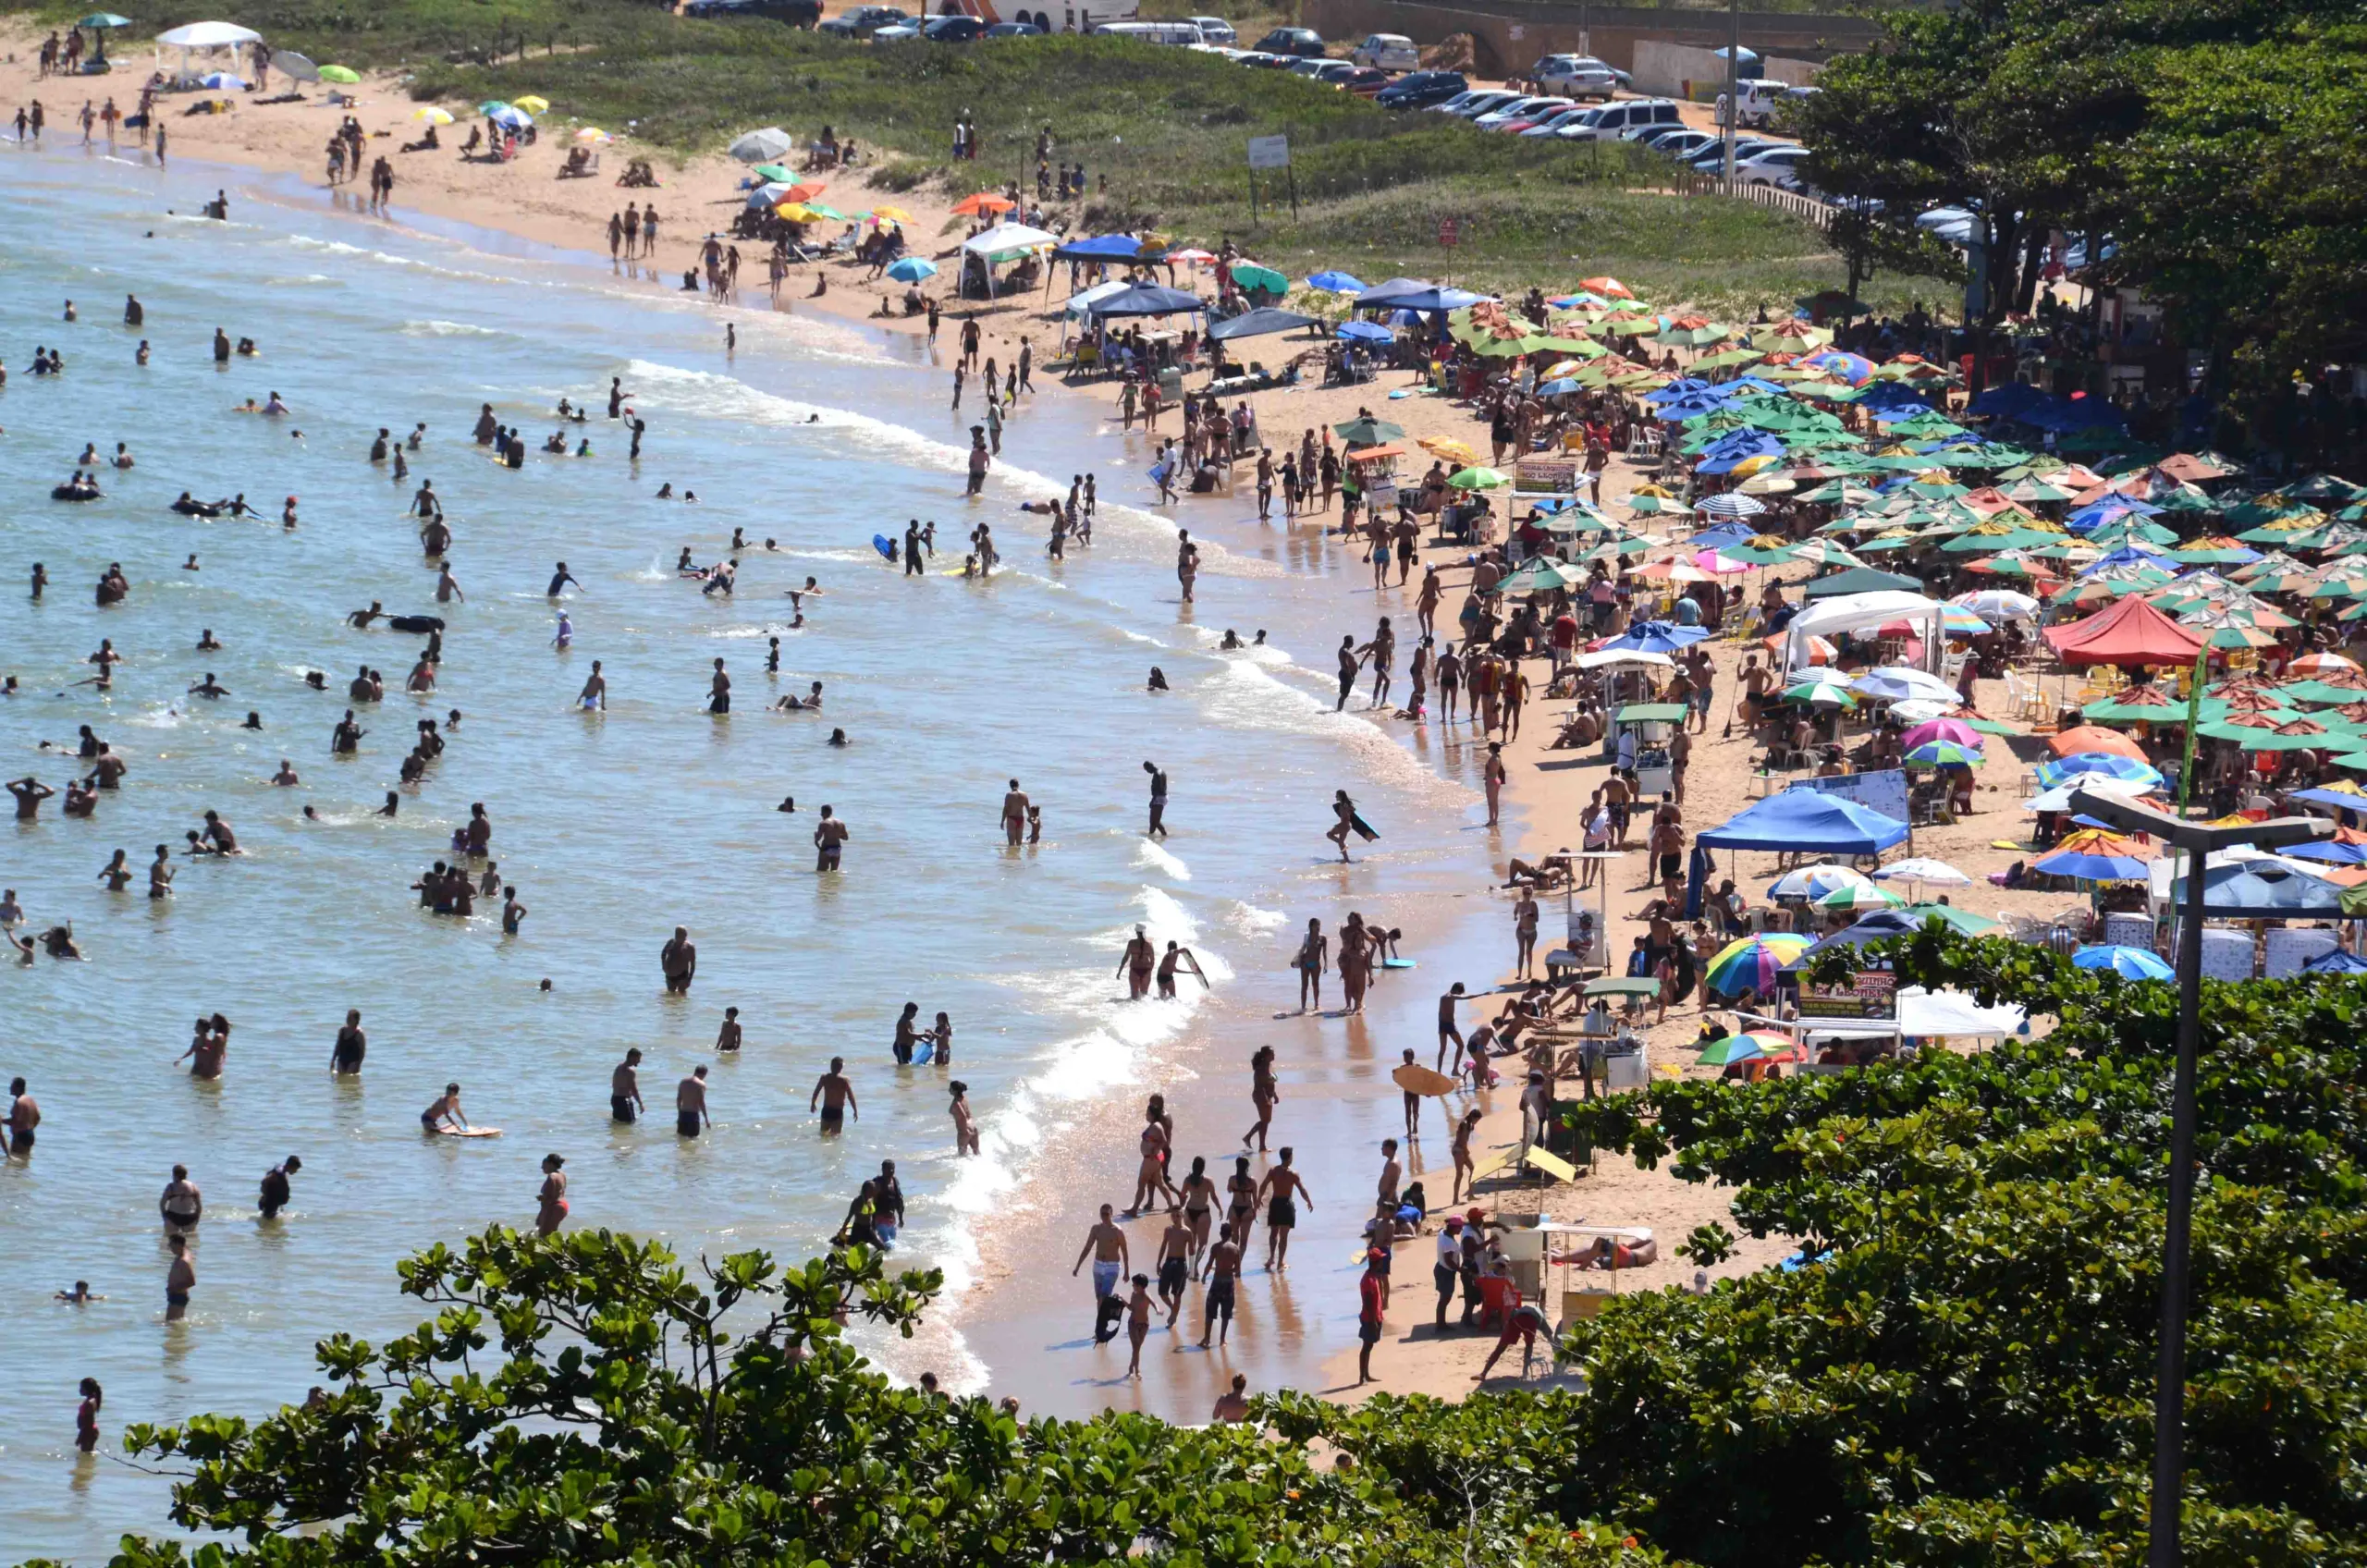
(617,827)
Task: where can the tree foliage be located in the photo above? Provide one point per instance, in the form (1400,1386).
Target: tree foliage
(2219,145)
(582,1398)
(1956,1371)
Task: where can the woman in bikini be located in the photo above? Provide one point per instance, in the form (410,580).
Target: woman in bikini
(1150,1177)
(1311,954)
(1355,963)
(1199,1203)
(1241,1213)
(1262,1094)
(550,1204)
(1462,1161)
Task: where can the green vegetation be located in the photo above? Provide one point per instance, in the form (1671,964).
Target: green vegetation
(2219,147)
(1164,128)
(1961,1376)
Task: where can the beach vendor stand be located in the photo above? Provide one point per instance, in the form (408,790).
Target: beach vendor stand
(1369,473)
(1653,724)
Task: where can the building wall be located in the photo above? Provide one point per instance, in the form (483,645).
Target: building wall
(1509,35)
(1688,70)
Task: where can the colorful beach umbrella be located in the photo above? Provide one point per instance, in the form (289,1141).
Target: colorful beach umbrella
(1752,963)
(1867,897)
(2094,855)
(1944,754)
(1815,881)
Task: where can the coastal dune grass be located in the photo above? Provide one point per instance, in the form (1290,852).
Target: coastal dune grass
(1161,132)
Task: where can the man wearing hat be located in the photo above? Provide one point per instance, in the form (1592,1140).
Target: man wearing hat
(1449,1266)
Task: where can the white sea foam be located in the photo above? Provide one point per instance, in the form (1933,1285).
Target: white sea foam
(450,329)
(1149,854)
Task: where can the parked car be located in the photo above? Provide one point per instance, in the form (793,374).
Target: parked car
(1576,76)
(1389,51)
(1681,142)
(1304,42)
(1554,122)
(1014,30)
(898,33)
(862,22)
(1762,101)
(1520,117)
(1264,61)
(795,13)
(1215,29)
(1651,135)
(1611,121)
(1455,104)
(1778,165)
(1712,159)
(1483,103)
(1419,90)
(1365,82)
(953,30)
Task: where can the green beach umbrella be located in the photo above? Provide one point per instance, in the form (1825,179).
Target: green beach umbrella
(1865,895)
(1368,432)
(1252,276)
(344,75)
(1962,920)
(774,174)
(1478,478)
(99,21)
(490,106)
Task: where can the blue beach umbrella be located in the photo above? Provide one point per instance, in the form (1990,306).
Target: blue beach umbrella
(2105,763)
(912,269)
(1366,332)
(1336,283)
(2130,963)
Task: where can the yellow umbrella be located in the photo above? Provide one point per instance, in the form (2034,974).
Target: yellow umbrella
(433,115)
(1449,447)
(796,212)
(1749,466)
(893,215)
(594,133)
(533,105)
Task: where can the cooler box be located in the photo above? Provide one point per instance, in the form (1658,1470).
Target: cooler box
(2288,951)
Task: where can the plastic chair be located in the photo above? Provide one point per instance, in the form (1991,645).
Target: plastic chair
(1498,1296)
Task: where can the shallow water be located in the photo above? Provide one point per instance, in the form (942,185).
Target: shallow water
(617,827)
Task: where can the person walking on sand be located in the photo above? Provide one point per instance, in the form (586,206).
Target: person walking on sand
(1524,932)
(1262,1094)
(1313,949)
(1463,1161)
(1174,1264)
(1449,1033)
(1281,1191)
(1139,1307)
(1106,1245)
(1224,1271)
(1491,777)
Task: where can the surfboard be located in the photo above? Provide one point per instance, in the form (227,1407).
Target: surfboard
(1415,1078)
(1364,830)
(1397,964)
(468,1133)
(880,542)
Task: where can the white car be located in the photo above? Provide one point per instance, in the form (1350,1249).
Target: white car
(1779,165)
(1577,76)
(1609,122)
(1762,100)
(1215,29)
(1388,51)
(1477,103)
(1552,123)
(1519,109)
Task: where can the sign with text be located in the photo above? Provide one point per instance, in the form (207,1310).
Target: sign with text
(1871,993)
(1269,152)
(1884,791)
(1449,232)
(1545,476)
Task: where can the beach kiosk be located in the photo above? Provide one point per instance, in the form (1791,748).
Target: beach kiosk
(1372,474)
(1651,723)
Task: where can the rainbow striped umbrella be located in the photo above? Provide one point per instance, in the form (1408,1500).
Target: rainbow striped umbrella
(1751,963)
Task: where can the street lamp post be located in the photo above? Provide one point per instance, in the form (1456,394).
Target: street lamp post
(2199,842)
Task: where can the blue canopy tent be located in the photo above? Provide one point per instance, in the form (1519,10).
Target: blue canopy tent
(1103,248)
(1147,299)
(1800,820)
(1260,323)
(2255,891)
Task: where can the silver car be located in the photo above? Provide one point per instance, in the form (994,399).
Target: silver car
(1576,76)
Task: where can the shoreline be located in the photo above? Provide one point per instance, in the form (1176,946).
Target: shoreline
(503,199)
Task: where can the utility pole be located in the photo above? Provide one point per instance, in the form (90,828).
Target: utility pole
(1733,83)
(2199,842)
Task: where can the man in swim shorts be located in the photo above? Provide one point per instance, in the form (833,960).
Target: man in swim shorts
(689,1104)
(1280,1185)
(836,1097)
(624,1089)
(1107,1245)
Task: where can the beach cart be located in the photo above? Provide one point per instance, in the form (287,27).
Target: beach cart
(1651,723)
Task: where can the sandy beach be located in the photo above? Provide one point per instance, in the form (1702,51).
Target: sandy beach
(1297,1328)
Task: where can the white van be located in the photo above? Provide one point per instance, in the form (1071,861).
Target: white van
(1762,100)
(1388,51)
(1615,120)
(1182,34)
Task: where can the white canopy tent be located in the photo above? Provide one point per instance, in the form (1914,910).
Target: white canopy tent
(1855,612)
(1080,304)
(1005,242)
(1924,1014)
(202,38)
